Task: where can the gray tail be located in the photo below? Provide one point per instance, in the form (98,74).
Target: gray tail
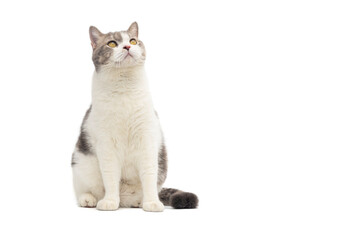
(178,199)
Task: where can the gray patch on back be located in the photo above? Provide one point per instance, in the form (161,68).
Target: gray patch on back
(162,165)
(73,160)
(162,160)
(83,145)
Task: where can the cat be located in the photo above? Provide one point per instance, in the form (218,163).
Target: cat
(120,158)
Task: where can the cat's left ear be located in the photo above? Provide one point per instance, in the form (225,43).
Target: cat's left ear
(133,29)
(95,35)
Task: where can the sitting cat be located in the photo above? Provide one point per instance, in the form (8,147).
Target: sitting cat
(120,158)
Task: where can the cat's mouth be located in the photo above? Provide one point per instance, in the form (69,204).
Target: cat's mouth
(125,58)
(128,54)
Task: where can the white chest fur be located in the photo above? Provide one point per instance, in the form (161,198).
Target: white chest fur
(123,116)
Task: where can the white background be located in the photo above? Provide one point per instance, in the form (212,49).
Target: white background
(258,100)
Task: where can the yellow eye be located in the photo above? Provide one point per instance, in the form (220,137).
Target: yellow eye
(133,41)
(112,44)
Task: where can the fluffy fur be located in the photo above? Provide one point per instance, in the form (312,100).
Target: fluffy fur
(178,199)
(120,158)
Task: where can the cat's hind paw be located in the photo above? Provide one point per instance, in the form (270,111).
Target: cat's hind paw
(87,200)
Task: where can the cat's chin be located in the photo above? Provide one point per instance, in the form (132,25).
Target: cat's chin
(126,63)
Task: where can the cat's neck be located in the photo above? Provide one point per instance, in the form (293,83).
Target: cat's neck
(120,74)
(120,80)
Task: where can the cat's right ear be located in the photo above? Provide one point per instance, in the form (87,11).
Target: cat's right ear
(95,35)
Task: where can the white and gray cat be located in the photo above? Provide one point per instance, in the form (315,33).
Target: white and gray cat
(120,158)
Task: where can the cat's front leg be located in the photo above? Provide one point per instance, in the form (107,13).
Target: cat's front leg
(148,168)
(111,174)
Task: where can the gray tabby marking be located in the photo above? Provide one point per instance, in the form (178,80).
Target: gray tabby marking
(178,199)
(73,160)
(117,36)
(102,53)
(83,144)
(165,195)
(101,56)
(162,170)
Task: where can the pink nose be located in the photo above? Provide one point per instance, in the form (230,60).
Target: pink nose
(127,47)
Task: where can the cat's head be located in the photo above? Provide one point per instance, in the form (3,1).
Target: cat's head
(117,49)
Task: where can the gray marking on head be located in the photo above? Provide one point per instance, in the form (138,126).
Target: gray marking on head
(141,44)
(101,56)
(117,36)
(102,53)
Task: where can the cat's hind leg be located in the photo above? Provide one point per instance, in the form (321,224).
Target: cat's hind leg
(87,200)
(88,184)
(130,195)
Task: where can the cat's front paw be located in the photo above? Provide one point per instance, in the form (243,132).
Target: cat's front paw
(108,204)
(153,206)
